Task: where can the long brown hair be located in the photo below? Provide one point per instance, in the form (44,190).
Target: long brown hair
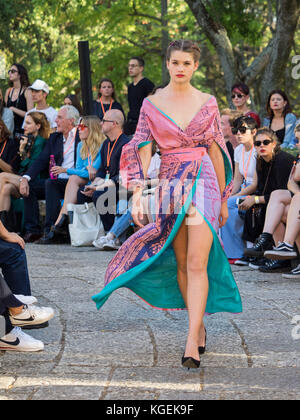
(41,119)
(95,139)
(4,131)
(287,108)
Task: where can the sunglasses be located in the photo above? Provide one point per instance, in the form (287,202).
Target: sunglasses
(237,95)
(82,127)
(242,130)
(12,71)
(104,121)
(265,142)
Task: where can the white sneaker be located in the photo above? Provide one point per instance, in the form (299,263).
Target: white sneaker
(112,244)
(27,300)
(99,243)
(31,316)
(17,340)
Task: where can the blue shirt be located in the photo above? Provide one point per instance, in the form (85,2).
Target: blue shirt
(82,164)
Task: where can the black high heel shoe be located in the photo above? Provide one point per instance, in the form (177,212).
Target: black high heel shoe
(190,363)
(202,349)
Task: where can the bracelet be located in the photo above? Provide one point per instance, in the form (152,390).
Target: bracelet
(256,199)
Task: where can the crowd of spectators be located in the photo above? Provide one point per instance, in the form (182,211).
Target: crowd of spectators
(66,158)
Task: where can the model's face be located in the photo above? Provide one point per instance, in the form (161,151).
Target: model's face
(106,90)
(226,127)
(277,102)
(264,150)
(134,68)
(30,127)
(181,66)
(239,99)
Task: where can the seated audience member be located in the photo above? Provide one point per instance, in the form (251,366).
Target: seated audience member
(74,101)
(8,151)
(6,115)
(273,170)
(63,146)
(40,91)
(87,165)
(281,119)
(117,234)
(107,177)
(106,99)
(240,97)
(282,223)
(18,97)
(13,264)
(37,131)
(228,116)
(245,129)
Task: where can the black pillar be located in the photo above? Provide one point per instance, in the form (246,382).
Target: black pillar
(85,77)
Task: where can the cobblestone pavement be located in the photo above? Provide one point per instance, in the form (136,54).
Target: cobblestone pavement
(130,351)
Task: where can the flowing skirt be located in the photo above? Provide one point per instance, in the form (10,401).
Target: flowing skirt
(146,262)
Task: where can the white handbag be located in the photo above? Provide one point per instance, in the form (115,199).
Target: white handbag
(86,226)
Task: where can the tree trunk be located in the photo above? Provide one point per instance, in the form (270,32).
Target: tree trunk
(164,40)
(269,66)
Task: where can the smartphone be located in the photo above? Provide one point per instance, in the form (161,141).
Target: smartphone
(239,201)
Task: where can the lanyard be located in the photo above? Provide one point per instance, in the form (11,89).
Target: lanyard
(109,153)
(245,172)
(71,144)
(3,148)
(103,110)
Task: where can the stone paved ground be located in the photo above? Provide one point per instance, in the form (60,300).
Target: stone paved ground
(130,351)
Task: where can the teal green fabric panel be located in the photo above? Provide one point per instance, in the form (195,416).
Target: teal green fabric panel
(144,143)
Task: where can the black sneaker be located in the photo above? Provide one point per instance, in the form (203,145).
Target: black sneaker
(282,251)
(294,274)
(256,263)
(263,243)
(276,266)
(244,261)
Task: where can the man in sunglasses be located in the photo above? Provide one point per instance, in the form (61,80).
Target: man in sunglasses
(63,146)
(240,95)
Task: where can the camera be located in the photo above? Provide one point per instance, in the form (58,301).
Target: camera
(30,140)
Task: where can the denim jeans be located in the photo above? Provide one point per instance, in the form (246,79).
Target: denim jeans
(122,220)
(13,263)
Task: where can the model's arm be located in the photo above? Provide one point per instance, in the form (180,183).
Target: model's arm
(218,162)
(237,181)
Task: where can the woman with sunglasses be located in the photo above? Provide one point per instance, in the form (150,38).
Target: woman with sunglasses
(281,223)
(240,95)
(87,164)
(106,99)
(18,97)
(281,119)
(273,169)
(245,129)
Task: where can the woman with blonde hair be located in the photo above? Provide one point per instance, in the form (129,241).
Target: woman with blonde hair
(88,162)
(36,133)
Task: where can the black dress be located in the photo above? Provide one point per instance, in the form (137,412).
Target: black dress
(19,103)
(271,176)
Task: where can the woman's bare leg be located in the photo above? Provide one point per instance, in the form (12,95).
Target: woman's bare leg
(9,184)
(200,240)
(72,188)
(278,201)
(293,222)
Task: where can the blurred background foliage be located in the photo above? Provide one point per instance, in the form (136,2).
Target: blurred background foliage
(43,36)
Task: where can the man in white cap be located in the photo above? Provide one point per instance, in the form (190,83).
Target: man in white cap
(40,91)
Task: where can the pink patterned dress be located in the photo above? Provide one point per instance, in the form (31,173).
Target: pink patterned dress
(146,262)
